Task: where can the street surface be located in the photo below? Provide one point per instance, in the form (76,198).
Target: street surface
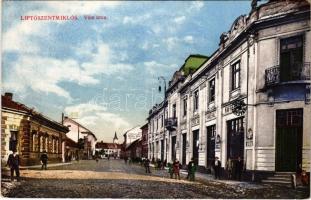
(115,179)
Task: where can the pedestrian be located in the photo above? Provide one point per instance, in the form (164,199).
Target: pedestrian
(170,169)
(44,160)
(147,165)
(217,168)
(239,165)
(13,163)
(191,170)
(164,164)
(176,169)
(229,168)
(125,159)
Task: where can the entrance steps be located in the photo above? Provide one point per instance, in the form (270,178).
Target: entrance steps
(283,178)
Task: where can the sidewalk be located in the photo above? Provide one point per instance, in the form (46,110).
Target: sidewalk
(203,177)
(38,166)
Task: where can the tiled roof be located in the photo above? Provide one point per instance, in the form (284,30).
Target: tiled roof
(9,103)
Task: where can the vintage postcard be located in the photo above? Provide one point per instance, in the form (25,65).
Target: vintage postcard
(155,99)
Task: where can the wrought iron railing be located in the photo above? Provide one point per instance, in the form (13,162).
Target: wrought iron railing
(277,74)
(171,123)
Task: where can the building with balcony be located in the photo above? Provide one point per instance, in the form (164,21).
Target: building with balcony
(249,99)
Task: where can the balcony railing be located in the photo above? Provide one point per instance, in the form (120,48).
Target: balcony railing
(171,123)
(297,72)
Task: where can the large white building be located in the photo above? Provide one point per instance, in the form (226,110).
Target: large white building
(249,99)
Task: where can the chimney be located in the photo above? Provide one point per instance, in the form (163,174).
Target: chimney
(9,95)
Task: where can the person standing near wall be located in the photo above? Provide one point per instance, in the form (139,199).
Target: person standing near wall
(44,160)
(13,163)
(217,168)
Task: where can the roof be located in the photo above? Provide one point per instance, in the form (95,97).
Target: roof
(192,63)
(144,126)
(106,145)
(8,103)
(77,123)
(71,143)
(133,143)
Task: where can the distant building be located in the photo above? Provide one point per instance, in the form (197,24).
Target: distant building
(71,150)
(109,149)
(144,141)
(115,138)
(78,131)
(30,133)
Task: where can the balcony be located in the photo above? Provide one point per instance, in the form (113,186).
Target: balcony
(171,124)
(297,72)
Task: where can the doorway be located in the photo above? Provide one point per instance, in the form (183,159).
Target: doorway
(173,148)
(210,153)
(184,147)
(289,125)
(195,147)
(235,144)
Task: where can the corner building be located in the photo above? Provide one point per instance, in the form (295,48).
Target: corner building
(249,99)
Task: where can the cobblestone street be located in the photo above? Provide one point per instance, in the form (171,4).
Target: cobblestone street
(115,179)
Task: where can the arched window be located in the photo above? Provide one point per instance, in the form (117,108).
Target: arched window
(53,146)
(46,144)
(34,141)
(41,143)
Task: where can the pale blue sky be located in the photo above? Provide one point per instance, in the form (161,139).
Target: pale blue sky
(105,69)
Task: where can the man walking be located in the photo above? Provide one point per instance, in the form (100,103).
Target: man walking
(217,168)
(13,163)
(44,160)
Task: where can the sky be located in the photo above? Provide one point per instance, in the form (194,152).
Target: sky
(105,71)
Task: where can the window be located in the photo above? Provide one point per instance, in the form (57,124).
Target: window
(53,145)
(157,123)
(196,101)
(46,144)
(13,141)
(41,144)
(235,76)
(291,57)
(185,106)
(174,110)
(162,120)
(212,90)
(34,142)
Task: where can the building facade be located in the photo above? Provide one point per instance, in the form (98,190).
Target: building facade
(144,140)
(79,133)
(250,98)
(29,133)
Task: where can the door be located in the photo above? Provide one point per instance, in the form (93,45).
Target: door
(173,148)
(184,147)
(211,133)
(235,144)
(162,150)
(288,139)
(195,146)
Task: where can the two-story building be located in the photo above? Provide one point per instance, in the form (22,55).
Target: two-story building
(250,98)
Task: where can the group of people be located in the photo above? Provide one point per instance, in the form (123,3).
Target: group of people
(14,162)
(235,168)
